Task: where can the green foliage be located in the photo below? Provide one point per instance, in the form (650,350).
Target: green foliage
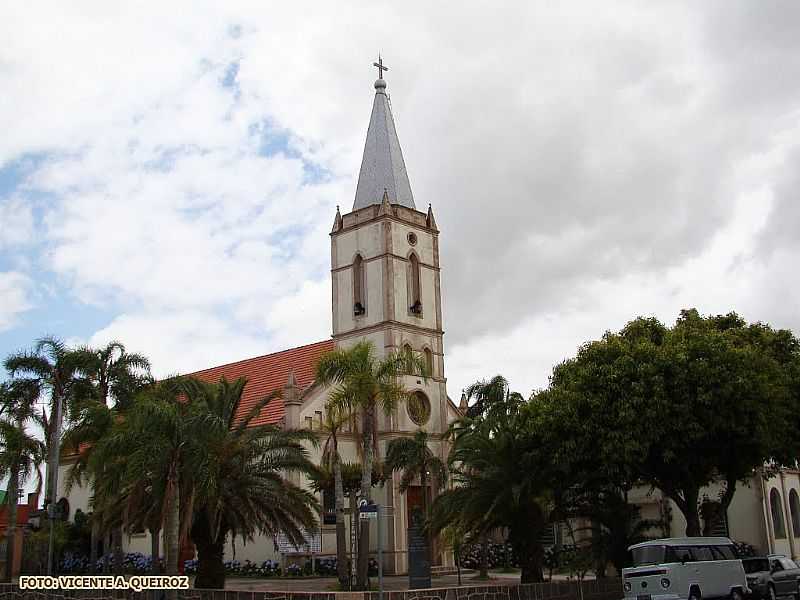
(710,399)
(322,477)
(414,458)
(501,477)
(362,383)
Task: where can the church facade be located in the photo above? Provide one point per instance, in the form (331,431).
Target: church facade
(386,288)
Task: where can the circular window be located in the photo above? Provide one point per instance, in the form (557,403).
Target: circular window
(412,238)
(419,409)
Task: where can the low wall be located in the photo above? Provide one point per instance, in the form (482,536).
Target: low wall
(600,589)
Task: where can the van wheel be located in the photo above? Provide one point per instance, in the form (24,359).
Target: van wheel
(694,594)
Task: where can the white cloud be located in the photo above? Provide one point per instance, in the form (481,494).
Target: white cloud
(16,222)
(605,164)
(180,342)
(14,297)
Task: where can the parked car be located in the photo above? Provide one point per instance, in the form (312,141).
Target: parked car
(785,575)
(685,569)
(759,576)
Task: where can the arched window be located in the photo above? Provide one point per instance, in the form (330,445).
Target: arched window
(794,509)
(416,297)
(777,514)
(428,361)
(358,286)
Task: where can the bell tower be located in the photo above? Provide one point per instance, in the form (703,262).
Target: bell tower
(386,289)
(385,263)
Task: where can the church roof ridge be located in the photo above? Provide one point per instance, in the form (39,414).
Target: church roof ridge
(382,164)
(269,354)
(268,373)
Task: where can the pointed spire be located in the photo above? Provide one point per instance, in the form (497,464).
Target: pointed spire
(337,221)
(386,206)
(382,166)
(462,406)
(291,381)
(429,220)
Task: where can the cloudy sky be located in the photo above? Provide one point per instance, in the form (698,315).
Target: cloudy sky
(169,171)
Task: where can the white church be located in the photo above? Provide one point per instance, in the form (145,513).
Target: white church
(386,289)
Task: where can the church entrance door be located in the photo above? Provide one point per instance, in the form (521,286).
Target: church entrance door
(413,502)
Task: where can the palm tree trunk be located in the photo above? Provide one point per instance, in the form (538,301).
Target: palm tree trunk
(155,559)
(366,488)
(106,552)
(341,538)
(171,528)
(51,487)
(116,539)
(11,533)
(210,550)
(483,573)
(94,540)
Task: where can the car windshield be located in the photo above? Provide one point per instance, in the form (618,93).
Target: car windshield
(788,563)
(648,555)
(754,565)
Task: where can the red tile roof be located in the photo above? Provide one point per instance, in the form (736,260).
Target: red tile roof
(267,373)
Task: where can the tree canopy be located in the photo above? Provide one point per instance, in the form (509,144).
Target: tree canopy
(711,399)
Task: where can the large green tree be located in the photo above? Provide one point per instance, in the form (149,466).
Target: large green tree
(711,399)
(21,454)
(366,384)
(240,476)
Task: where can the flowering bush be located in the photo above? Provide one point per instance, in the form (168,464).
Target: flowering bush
(268,568)
(138,563)
(132,563)
(496,556)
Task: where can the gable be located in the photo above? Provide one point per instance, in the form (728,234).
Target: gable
(268,373)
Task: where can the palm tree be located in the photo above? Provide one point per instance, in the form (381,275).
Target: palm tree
(335,417)
(149,444)
(239,472)
(501,476)
(55,366)
(615,524)
(21,454)
(364,384)
(414,458)
(91,420)
(109,379)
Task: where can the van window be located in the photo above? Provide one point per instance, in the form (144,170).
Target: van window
(723,552)
(648,555)
(679,554)
(702,553)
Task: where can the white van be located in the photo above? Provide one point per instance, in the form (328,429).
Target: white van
(696,568)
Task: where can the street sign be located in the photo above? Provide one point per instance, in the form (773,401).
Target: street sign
(367,510)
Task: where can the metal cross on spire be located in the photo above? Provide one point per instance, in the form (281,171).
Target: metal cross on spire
(380,66)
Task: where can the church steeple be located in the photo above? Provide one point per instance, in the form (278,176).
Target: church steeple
(382,166)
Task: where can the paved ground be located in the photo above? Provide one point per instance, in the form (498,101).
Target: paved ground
(399,582)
